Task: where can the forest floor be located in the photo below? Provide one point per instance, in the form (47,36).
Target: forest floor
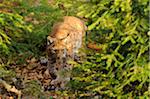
(32,79)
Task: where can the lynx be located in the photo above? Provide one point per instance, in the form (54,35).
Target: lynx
(63,43)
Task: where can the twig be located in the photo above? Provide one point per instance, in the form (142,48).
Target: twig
(11,88)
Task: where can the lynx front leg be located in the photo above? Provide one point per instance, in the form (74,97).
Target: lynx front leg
(63,77)
(60,64)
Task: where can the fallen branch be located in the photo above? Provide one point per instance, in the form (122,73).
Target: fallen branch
(11,88)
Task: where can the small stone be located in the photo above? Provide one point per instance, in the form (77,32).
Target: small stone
(43,61)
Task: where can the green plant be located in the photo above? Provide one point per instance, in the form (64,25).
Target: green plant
(11,27)
(121,69)
(4,73)
(32,88)
(41,15)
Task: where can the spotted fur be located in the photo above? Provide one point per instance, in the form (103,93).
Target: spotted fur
(63,43)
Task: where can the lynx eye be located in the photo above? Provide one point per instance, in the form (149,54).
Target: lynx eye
(48,42)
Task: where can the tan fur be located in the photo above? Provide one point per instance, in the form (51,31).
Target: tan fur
(66,38)
(68,34)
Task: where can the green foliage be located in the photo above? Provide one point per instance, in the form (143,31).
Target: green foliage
(41,15)
(37,16)
(32,88)
(121,69)
(11,27)
(69,7)
(4,73)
